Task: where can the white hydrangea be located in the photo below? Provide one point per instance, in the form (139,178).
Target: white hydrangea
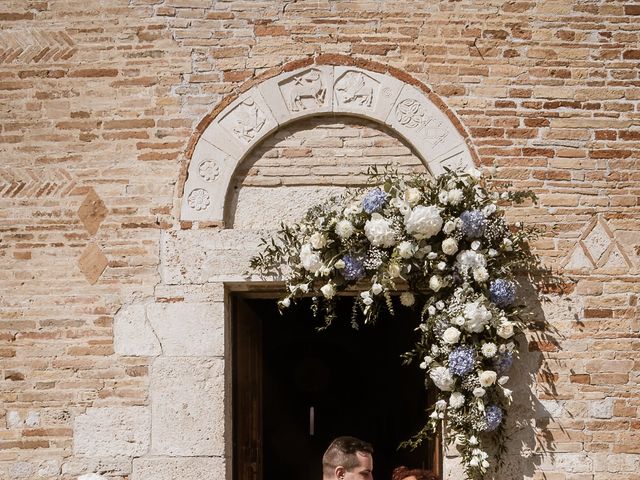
(318,240)
(423,222)
(442,378)
(354,208)
(379,232)
(412,196)
(476,316)
(480,274)
(468,259)
(310,261)
(344,229)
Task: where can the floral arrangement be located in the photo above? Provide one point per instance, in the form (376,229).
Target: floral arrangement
(442,246)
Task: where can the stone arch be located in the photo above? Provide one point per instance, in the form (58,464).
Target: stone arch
(327,85)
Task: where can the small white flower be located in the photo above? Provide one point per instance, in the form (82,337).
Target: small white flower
(434,415)
(285,302)
(344,229)
(504,195)
(456,400)
(376,288)
(493,252)
(442,265)
(479,392)
(412,196)
(440,305)
(432,255)
(354,209)
(475,245)
(426,362)
(474,462)
(423,251)
(480,274)
(434,349)
(451,335)
(455,196)
(458,320)
(489,350)
(473,440)
(489,209)
(431,310)
(441,405)
(473,172)
(339,264)
(449,246)
(449,227)
(505,330)
(503,379)
(324,271)
(487,378)
(318,241)
(406,249)
(407,299)
(366,298)
(435,283)
(443,196)
(508,394)
(303,287)
(507,244)
(310,260)
(328,290)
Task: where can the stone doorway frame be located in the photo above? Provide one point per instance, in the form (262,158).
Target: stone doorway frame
(182,330)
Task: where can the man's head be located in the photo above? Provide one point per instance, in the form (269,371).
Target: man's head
(348,458)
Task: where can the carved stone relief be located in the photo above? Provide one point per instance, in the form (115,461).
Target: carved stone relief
(245,121)
(209,170)
(304,91)
(355,87)
(199,199)
(411,114)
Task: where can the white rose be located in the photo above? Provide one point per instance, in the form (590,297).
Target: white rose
(451,335)
(477,316)
(366,298)
(423,222)
(449,246)
(456,400)
(344,229)
(479,392)
(318,240)
(394,270)
(285,302)
(449,227)
(455,196)
(505,330)
(487,378)
(412,196)
(475,245)
(459,320)
(379,232)
(442,378)
(406,249)
(328,290)
(489,209)
(376,288)
(441,405)
(480,274)
(407,299)
(310,260)
(426,362)
(442,266)
(431,310)
(435,283)
(440,305)
(489,350)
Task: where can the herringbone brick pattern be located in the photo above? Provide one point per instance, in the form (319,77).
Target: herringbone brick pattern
(35,183)
(35,46)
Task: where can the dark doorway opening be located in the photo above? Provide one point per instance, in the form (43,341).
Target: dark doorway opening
(308,387)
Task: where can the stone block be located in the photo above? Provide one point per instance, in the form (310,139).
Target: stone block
(188,329)
(187,404)
(112,431)
(192,468)
(133,334)
(601,409)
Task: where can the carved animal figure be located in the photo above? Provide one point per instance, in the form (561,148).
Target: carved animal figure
(355,89)
(308,85)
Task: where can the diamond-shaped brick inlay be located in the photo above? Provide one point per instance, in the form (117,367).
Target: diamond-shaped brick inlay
(92,263)
(597,241)
(92,212)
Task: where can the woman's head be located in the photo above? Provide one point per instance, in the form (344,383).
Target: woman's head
(404,473)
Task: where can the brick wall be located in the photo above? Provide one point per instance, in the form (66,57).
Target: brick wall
(99,101)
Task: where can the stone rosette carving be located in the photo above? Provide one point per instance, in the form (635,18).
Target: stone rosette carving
(411,114)
(199,199)
(209,170)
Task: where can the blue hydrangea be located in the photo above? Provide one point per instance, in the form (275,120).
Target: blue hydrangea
(373,200)
(503,362)
(461,360)
(473,223)
(493,417)
(353,268)
(503,292)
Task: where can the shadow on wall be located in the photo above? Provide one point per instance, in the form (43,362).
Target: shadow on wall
(530,442)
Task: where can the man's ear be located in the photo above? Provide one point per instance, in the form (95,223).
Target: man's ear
(340,471)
